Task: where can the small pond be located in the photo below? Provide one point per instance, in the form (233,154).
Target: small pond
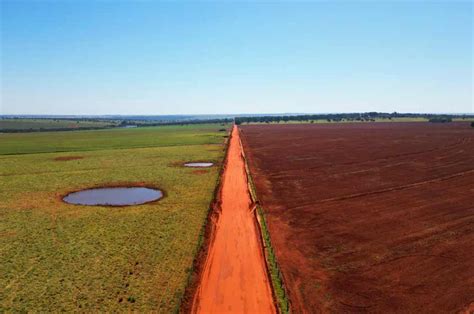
(198,164)
(114,196)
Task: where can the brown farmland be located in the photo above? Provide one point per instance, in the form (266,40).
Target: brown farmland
(369,217)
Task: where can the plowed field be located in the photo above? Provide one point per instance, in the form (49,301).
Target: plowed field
(369,217)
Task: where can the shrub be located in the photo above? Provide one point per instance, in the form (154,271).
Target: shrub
(440,119)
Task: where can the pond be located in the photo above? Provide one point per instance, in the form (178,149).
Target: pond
(198,164)
(114,196)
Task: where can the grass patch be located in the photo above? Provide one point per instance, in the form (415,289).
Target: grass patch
(277,282)
(61,257)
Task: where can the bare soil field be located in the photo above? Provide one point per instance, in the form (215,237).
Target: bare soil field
(369,217)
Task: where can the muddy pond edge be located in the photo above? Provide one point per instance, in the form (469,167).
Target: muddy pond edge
(215,163)
(164,194)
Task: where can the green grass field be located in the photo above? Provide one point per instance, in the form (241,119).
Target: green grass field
(119,138)
(60,257)
(37,124)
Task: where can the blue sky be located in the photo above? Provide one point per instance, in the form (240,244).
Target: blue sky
(111,57)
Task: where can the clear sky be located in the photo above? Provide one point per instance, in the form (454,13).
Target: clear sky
(111,57)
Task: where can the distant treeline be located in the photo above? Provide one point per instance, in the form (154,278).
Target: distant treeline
(339,117)
(184,122)
(310,118)
(440,119)
(31,130)
(123,124)
(57,119)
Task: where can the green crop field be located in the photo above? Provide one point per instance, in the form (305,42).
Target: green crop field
(44,124)
(60,257)
(46,142)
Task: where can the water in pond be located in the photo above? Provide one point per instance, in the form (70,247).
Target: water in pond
(198,164)
(119,196)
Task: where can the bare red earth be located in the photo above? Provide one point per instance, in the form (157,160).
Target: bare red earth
(234,277)
(372,217)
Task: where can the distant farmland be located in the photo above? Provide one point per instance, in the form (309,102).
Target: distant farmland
(61,257)
(369,217)
(48,124)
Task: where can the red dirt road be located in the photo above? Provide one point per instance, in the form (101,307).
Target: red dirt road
(369,217)
(234,277)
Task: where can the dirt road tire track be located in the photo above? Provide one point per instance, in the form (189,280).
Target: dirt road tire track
(234,277)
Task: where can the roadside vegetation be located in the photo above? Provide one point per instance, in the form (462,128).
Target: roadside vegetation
(275,274)
(61,257)
(278,286)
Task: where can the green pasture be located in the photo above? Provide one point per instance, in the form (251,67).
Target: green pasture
(117,138)
(60,257)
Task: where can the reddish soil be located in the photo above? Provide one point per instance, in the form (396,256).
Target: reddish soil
(200,171)
(66,158)
(375,217)
(234,277)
